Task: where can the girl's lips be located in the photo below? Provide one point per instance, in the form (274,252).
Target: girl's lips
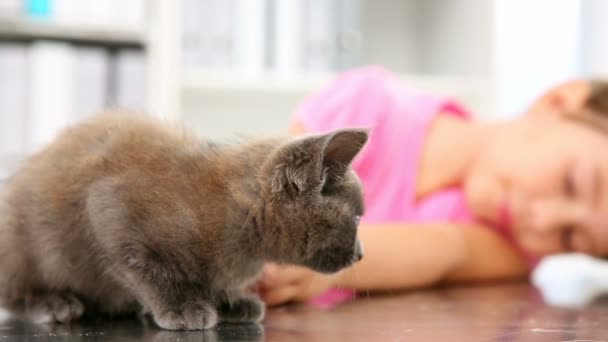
(504,216)
(505,222)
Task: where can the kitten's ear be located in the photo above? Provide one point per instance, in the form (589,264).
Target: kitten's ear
(306,163)
(342,146)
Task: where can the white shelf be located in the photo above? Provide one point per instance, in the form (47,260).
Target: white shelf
(220,103)
(199,79)
(212,80)
(471,90)
(28,30)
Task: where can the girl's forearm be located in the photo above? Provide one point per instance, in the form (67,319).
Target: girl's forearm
(407,256)
(489,257)
(398,256)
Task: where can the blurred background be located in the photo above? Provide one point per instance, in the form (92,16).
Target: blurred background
(227,67)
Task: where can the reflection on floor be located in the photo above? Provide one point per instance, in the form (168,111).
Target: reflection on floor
(512,312)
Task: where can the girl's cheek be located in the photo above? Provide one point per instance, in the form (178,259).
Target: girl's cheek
(536,245)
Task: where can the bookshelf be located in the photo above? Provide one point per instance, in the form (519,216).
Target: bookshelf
(57,59)
(437,47)
(220,103)
(440,47)
(23,30)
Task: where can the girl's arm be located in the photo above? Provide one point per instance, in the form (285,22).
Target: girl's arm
(405,257)
(436,253)
(413,256)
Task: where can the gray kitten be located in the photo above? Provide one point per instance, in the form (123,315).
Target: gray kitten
(122,214)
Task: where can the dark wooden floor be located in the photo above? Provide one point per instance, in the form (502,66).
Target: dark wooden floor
(493,313)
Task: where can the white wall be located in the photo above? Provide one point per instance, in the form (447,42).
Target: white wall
(537,45)
(429,36)
(389,34)
(594,44)
(455,37)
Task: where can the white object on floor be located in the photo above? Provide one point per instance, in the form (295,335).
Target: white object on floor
(571,280)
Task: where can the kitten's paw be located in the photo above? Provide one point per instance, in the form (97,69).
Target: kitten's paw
(54,308)
(198,315)
(243,310)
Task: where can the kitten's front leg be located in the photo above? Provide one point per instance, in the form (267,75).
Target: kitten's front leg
(173,304)
(242,308)
(53,307)
(149,262)
(192,315)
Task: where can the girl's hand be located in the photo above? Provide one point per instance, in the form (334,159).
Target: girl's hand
(281,284)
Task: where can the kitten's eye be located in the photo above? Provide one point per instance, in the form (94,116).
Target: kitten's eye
(329,187)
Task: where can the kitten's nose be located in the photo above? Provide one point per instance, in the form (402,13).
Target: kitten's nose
(358,251)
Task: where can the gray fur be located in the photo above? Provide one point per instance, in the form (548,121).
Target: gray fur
(123,213)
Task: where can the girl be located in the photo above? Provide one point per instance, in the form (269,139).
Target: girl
(451,200)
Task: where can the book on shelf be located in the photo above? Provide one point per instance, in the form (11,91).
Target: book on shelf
(191,35)
(13,88)
(208,33)
(288,34)
(91,83)
(38,9)
(331,35)
(349,33)
(220,47)
(320,36)
(250,37)
(50,91)
(48,85)
(129,80)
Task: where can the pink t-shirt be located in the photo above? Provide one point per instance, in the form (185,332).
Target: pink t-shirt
(399,118)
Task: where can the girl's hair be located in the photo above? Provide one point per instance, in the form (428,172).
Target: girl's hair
(598,99)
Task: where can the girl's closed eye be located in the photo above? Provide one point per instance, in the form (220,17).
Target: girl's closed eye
(569,183)
(566,239)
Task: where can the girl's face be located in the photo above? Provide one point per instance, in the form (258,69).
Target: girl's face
(544,177)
